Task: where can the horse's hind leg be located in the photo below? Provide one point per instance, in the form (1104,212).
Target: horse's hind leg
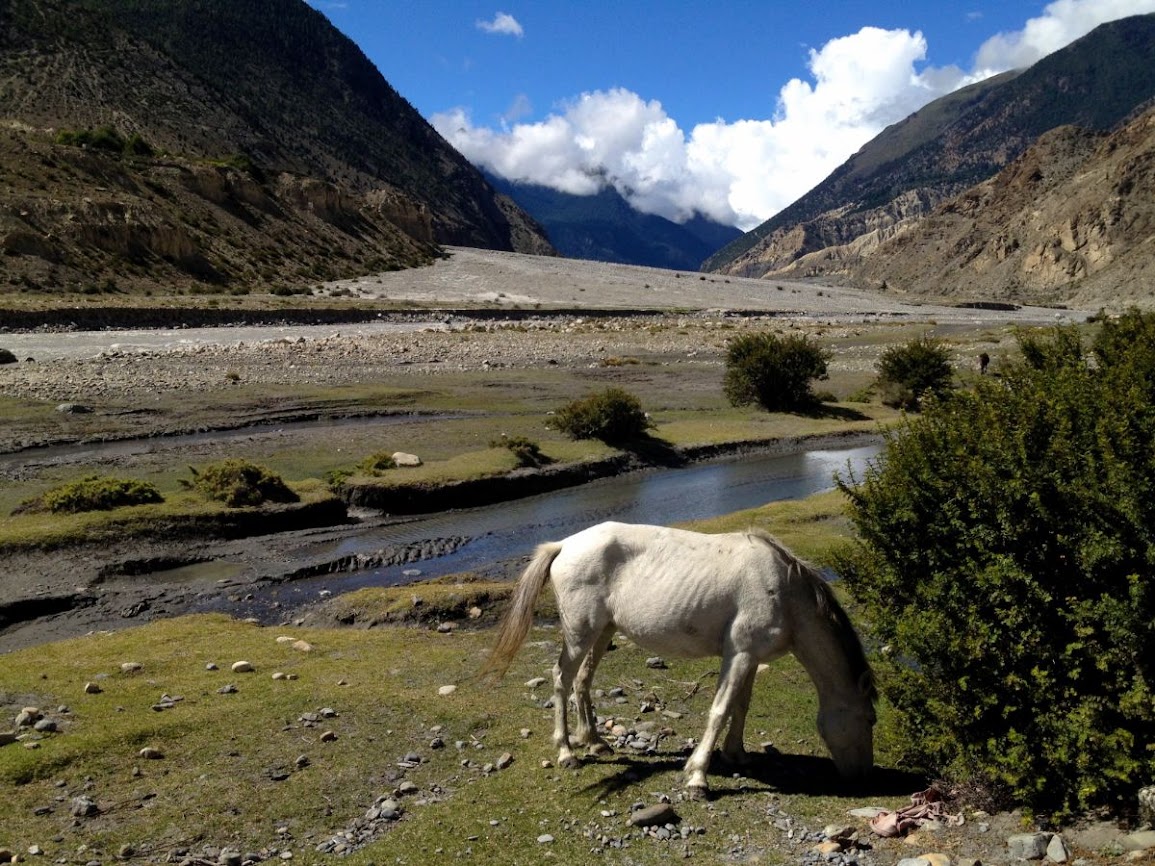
(573,652)
(586,733)
(736,669)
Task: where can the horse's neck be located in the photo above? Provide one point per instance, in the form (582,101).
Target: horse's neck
(820,652)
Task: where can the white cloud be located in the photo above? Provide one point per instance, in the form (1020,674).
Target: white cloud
(504,24)
(742,172)
(1061,23)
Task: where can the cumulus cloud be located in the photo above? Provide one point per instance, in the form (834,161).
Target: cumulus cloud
(1061,23)
(744,171)
(503,23)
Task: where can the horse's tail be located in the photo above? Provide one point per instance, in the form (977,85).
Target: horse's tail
(519,617)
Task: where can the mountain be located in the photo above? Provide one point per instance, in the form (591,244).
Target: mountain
(912,167)
(1071,221)
(220,142)
(605,227)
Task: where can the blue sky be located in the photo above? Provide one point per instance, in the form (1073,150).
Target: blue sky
(730,108)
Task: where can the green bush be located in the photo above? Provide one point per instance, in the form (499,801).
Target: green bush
(773,372)
(94,493)
(239,483)
(910,372)
(377,463)
(613,416)
(527,452)
(1008,541)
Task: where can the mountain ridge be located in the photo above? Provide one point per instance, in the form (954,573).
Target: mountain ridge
(914,166)
(274,151)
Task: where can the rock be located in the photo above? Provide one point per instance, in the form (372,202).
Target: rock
(284,638)
(211,667)
(1057,851)
(828,847)
(227,689)
(536,682)
(659,814)
(84,807)
(130,667)
(125,852)
(475,612)
(328,736)
(544,839)
(25,719)
(444,627)
(242,667)
(1029,846)
(1147,804)
(402,458)
(7,738)
(913,861)
(279,676)
(936,859)
(151,753)
(867,812)
(407,789)
(1141,841)
(446,691)
(504,761)
(73,409)
(92,689)
(657,663)
(302,646)
(45,726)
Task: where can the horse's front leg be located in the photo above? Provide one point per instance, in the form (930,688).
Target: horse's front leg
(734,747)
(586,733)
(735,671)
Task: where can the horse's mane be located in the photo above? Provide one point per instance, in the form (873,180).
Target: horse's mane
(830,612)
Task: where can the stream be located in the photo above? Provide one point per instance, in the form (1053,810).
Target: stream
(498,538)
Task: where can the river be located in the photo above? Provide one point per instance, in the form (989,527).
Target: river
(501,536)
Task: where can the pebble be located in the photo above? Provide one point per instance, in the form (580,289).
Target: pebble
(536,682)
(504,761)
(329,736)
(130,667)
(227,689)
(242,667)
(83,807)
(445,691)
(151,753)
(92,689)
(544,839)
(303,646)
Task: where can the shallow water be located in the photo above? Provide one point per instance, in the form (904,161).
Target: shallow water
(502,536)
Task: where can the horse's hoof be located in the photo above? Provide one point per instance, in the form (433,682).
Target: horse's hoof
(570,763)
(697,792)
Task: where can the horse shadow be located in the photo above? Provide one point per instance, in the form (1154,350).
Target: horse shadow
(767,772)
(831,410)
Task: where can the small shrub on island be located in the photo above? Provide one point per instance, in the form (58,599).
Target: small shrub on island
(613,416)
(527,452)
(239,483)
(773,372)
(913,371)
(92,493)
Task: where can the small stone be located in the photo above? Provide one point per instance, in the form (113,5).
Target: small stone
(504,761)
(211,667)
(475,612)
(227,689)
(1029,846)
(329,736)
(302,646)
(444,627)
(936,859)
(867,812)
(33,850)
(526,733)
(1140,841)
(125,852)
(83,807)
(7,738)
(45,726)
(827,847)
(32,745)
(536,682)
(1057,851)
(130,667)
(407,788)
(656,815)
(544,839)
(92,689)
(445,691)
(150,753)
(284,638)
(279,675)
(657,663)
(242,667)
(402,458)
(302,761)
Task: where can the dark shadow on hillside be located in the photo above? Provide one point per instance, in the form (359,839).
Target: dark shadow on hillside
(654,451)
(831,410)
(771,772)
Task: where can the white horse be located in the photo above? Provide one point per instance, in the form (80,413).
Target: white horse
(741,596)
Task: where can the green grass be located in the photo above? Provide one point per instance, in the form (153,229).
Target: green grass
(215,783)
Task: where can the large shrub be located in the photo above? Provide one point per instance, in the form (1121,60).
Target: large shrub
(614,416)
(239,483)
(912,371)
(772,371)
(93,493)
(1008,543)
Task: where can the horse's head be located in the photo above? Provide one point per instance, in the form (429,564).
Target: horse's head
(846,725)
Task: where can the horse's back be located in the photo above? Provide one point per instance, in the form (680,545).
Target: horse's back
(670,590)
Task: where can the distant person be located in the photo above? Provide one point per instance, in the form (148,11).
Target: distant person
(984,362)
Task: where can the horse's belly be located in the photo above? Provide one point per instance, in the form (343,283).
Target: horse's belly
(685,639)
